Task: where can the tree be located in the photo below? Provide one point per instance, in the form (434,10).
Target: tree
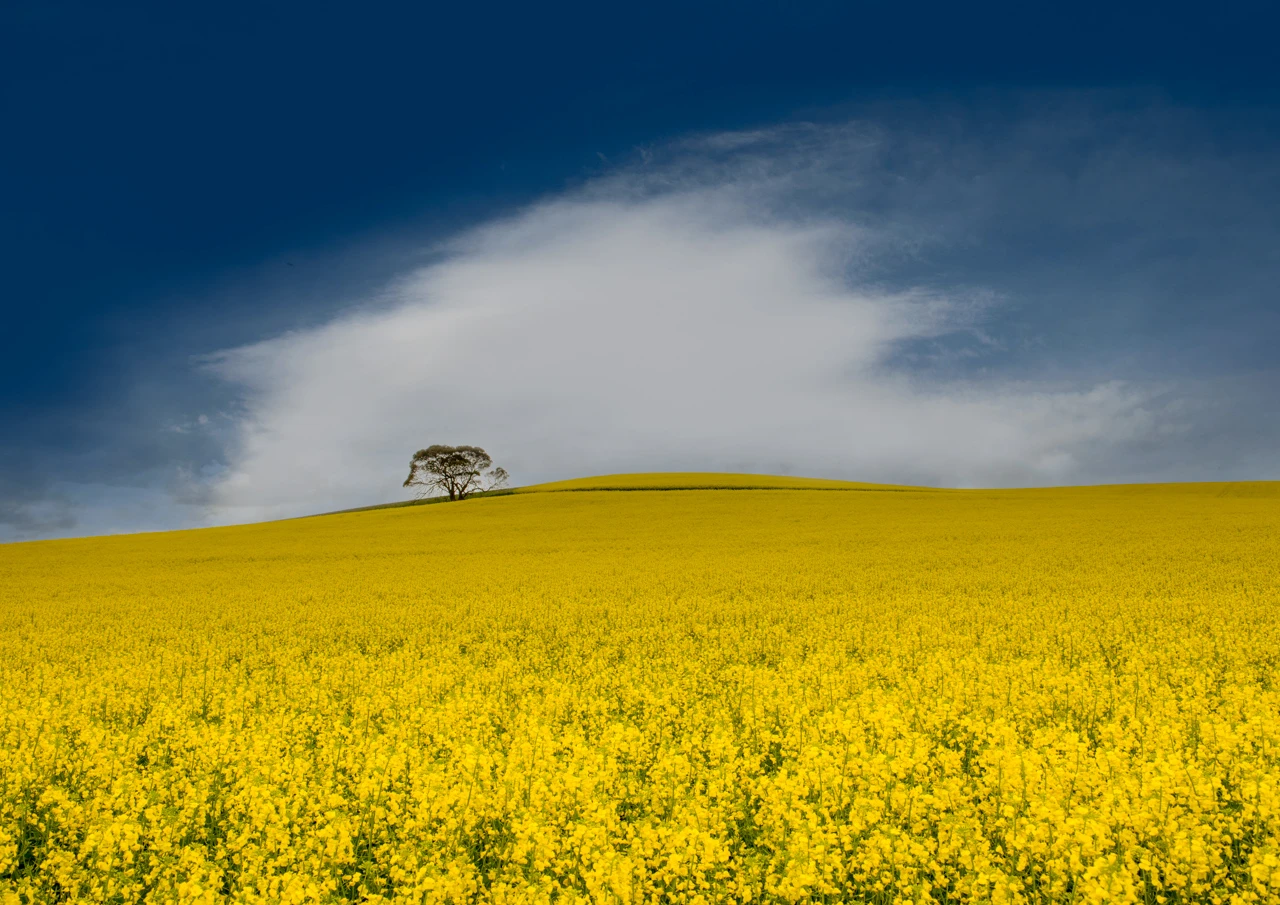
(458,471)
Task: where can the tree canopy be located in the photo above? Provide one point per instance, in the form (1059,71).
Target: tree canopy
(458,471)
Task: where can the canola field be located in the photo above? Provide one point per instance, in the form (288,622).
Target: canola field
(705,481)
(787,695)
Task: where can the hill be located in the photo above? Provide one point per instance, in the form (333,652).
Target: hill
(704,481)
(657,481)
(782,694)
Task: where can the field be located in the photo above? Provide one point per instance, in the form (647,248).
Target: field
(779,695)
(712,481)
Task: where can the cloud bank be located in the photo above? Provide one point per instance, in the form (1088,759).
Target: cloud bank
(664,318)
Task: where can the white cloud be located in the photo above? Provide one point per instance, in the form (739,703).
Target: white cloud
(683,329)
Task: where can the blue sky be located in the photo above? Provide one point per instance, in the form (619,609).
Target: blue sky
(253,256)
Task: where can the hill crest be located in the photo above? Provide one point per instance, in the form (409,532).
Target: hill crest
(704,480)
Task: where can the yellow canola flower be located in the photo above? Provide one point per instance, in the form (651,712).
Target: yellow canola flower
(814,692)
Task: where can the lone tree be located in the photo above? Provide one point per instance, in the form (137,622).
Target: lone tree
(456,470)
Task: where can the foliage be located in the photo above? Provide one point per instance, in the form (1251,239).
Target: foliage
(782,696)
(456,471)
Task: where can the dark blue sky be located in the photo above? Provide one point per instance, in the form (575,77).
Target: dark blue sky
(155,155)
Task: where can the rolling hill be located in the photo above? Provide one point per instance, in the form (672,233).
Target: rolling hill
(775,692)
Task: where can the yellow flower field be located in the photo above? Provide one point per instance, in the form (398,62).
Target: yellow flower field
(706,481)
(693,696)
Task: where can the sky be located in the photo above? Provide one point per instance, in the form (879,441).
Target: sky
(254,256)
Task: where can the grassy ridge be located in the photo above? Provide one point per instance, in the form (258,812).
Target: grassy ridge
(697,480)
(700,480)
(401,504)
